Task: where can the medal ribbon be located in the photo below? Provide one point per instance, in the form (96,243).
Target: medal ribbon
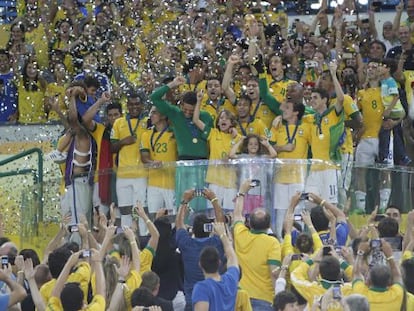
(158,137)
(291,139)
(133,132)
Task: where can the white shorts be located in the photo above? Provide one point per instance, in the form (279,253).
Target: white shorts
(96,201)
(131,190)
(224,195)
(367,151)
(346,171)
(77,200)
(324,183)
(283,193)
(158,198)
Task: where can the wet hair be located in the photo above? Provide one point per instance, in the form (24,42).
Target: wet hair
(210,259)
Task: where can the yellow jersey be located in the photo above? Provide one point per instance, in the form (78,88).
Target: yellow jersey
(255,126)
(31,104)
(372,108)
(129,157)
(262,112)
(37,38)
(52,90)
(162,147)
(278,88)
(215,109)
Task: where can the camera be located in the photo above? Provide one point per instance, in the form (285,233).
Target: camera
(326,250)
(4,261)
(336,293)
(85,254)
(304,196)
(208,227)
(255,183)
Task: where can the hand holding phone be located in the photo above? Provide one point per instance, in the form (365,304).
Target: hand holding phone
(255,183)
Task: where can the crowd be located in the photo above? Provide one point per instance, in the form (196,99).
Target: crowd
(144,88)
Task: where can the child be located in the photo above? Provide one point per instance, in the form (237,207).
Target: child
(222,179)
(252,148)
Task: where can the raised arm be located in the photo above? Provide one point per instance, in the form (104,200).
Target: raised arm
(17,292)
(63,276)
(196,116)
(157,96)
(99,273)
(218,211)
(399,8)
(182,211)
(136,263)
(87,118)
(220,230)
(238,209)
(235,149)
(228,75)
(29,274)
(395,270)
(153,231)
(333,66)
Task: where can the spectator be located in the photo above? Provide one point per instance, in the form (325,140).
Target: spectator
(258,253)
(8,91)
(17,292)
(357,302)
(217,292)
(285,301)
(151,281)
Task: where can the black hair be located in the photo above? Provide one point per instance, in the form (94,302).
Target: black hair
(191,63)
(330,268)
(28,85)
(298,107)
(319,219)
(388,227)
(142,297)
(198,226)
(245,97)
(189,98)
(282,299)
(390,63)
(113,106)
(384,48)
(91,81)
(57,260)
(210,259)
(407,273)
(30,253)
(322,93)
(304,243)
(71,297)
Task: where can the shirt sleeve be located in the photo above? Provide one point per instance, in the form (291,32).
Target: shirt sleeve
(200,293)
(342,230)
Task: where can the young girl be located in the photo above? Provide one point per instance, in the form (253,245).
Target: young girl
(221,178)
(251,167)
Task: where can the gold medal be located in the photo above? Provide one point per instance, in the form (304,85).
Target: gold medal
(195,140)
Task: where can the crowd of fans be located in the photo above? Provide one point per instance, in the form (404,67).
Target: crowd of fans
(140,85)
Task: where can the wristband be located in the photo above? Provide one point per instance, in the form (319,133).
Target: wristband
(214,200)
(148,221)
(240,194)
(322,203)
(390,258)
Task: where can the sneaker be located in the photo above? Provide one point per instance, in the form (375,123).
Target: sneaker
(56,156)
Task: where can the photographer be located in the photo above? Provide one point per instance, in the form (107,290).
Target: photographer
(384,285)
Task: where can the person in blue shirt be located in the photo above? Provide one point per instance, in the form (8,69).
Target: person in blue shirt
(17,292)
(8,91)
(217,292)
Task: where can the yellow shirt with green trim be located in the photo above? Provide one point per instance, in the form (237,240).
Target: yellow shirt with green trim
(220,145)
(186,87)
(97,304)
(214,109)
(278,88)
(312,291)
(256,251)
(292,173)
(37,38)
(161,146)
(263,113)
(81,275)
(380,299)
(256,126)
(327,131)
(350,111)
(243,301)
(129,157)
(372,108)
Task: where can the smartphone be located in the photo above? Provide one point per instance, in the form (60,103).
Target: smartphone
(326,251)
(4,261)
(375,243)
(119,230)
(379,217)
(338,250)
(336,293)
(208,227)
(73,228)
(255,183)
(296,257)
(297,217)
(198,192)
(85,254)
(304,196)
